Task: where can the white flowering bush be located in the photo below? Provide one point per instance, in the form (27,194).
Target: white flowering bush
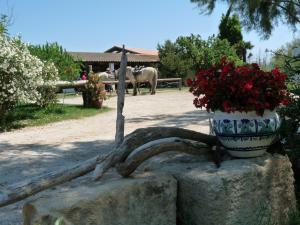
(48,90)
(21,75)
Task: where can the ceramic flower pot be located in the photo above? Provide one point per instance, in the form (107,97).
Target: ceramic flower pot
(98,103)
(246,134)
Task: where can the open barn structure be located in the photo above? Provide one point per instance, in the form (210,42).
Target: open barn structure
(111,58)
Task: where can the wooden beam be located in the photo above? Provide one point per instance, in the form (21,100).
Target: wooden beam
(119,137)
(81,83)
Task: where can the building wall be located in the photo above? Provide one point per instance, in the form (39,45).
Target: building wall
(102,66)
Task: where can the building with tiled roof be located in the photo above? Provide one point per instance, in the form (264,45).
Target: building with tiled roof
(111,58)
(141,51)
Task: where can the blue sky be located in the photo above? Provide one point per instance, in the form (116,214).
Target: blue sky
(96,25)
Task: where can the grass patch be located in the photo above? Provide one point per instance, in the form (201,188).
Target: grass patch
(32,115)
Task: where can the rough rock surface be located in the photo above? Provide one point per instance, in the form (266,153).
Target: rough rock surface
(254,191)
(145,200)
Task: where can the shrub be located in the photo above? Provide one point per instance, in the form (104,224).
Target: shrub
(20,75)
(94,92)
(48,90)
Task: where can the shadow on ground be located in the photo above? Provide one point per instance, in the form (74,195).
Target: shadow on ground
(181,120)
(19,162)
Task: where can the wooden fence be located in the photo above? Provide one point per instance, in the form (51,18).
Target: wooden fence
(81,83)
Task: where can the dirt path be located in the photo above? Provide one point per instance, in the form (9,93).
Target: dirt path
(32,151)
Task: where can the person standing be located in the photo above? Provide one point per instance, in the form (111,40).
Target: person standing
(83,75)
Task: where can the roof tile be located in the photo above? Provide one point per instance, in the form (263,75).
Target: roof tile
(112,57)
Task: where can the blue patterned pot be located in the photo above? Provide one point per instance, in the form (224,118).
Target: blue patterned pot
(246,134)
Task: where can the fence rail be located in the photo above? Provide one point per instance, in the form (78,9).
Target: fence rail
(81,83)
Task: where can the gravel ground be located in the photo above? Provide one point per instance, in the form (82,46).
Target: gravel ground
(35,150)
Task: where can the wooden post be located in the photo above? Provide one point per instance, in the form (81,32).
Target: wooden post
(121,99)
(180,84)
(90,68)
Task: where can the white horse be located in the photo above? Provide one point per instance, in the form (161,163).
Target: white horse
(147,74)
(106,77)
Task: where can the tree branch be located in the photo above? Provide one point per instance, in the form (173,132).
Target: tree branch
(144,152)
(144,135)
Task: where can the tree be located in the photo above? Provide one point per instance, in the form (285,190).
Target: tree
(4,24)
(68,69)
(190,53)
(230,28)
(285,60)
(260,15)
(171,63)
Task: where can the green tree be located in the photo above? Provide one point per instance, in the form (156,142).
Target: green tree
(260,15)
(190,53)
(68,68)
(241,48)
(285,60)
(230,28)
(4,22)
(171,63)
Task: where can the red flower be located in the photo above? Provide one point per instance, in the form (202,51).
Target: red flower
(227,88)
(268,93)
(248,86)
(226,106)
(267,105)
(232,88)
(227,68)
(285,101)
(276,71)
(223,60)
(203,101)
(189,82)
(255,66)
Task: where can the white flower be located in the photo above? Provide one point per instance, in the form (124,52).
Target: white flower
(21,73)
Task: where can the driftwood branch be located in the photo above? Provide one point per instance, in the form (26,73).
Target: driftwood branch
(145,135)
(144,152)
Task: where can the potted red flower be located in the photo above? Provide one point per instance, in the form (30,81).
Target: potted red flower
(94,93)
(244,100)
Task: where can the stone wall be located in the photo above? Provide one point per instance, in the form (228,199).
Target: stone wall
(144,200)
(254,191)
